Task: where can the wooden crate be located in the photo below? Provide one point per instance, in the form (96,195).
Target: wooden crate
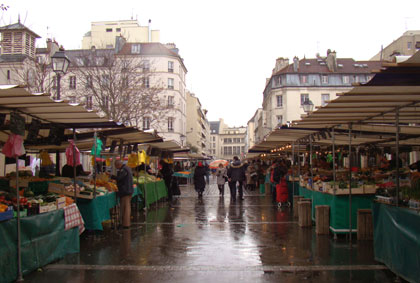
(364,224)
(305,213)
(322,219)
(60,189)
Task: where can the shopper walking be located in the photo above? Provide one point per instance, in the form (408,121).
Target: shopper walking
(199,182)
(167,172)
(236,174)
(221,174)
(124,180)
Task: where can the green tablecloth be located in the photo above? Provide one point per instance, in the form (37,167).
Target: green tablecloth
(95,211)
(397,239)
(44,240)
(339,208)
(153,192)
(182,175)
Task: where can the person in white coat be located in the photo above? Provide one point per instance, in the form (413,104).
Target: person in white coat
(221,179)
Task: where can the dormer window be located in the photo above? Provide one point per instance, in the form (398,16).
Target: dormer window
(135,49)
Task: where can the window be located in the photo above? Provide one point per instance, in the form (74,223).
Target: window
(356,79)
(89,102)
(170,66)
(227,150)
(279,99)
(325,97)
(170,124)
(214,145)
(118,29)
(89,82)
(236,150)
(146,82)
(124,82)
(170,83)
(409,45)
(135,48)
(243,149)
(109,30)
(214,138)
(324,79)
(346,79)
(171,101)
(303,98)
(146,123)
(303,79)
(8,74)
(146,65)
(99,61)
(279,119)
(72,82)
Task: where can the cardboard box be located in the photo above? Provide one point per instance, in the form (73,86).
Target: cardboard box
(60,202)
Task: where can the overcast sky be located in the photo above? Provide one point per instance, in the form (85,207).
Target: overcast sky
(230,47)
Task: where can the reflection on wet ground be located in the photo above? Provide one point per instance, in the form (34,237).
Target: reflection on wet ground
(214,240)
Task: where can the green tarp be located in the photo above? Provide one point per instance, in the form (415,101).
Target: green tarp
(397,239)
(339,208)
(43,240)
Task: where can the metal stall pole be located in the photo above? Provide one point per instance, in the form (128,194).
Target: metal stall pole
(299,161)
(293,170)
(74,164)
(349,157)
(19,253)
(333,152)
(397,155)
(310,161)
(94,163)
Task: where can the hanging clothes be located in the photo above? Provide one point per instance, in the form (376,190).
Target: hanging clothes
(14,146)
(99,146)
(69,154)
(45,158)
(133,160)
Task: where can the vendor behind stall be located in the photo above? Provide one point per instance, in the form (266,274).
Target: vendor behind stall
(143,167)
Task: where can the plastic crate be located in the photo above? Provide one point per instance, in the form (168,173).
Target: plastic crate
(8,214)
(38,188)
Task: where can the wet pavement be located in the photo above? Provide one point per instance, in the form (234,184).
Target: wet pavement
(214,240)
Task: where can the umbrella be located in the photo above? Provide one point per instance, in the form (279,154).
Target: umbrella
(215,164)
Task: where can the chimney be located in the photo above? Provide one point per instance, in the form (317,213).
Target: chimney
(52,46)
(150,30)
(331,60)
(295,64)
(280,64)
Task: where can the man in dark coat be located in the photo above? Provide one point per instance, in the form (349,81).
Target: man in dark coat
(199,182)
(167,172)
(124,180)
(236,174)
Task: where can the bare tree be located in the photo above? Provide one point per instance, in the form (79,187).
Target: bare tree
(35,74)
(118,86)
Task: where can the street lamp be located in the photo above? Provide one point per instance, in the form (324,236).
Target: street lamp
(60,63)
(308,105)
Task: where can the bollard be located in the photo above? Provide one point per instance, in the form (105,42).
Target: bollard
(305,211)
(296,199)
(364,224)
(322,219)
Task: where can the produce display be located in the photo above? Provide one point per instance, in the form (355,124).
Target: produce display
(144,178)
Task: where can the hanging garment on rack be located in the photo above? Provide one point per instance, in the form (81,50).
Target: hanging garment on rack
(69,154)
(14,146)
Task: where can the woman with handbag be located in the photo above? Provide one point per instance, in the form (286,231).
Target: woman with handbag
(221,179)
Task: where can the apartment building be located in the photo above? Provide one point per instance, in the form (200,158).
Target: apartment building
(406,45)
(318,79)
(102,34)
(198,127)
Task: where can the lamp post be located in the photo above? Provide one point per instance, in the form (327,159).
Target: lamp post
(60,63)
(308,106)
